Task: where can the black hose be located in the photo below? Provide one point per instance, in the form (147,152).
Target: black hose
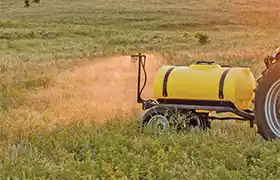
(145,74)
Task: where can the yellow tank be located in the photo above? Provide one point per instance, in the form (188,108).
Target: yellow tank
(205,82)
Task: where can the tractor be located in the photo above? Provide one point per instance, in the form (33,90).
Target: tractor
(185,96)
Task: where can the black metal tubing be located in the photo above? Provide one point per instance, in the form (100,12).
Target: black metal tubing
(245,115)
(196,102)
(227,118)
(139,99)
(140,63)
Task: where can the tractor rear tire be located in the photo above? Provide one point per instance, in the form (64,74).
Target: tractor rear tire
(267,109)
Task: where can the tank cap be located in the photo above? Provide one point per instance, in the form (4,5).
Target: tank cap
(205,62)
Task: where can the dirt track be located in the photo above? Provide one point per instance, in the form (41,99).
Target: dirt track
(99,91)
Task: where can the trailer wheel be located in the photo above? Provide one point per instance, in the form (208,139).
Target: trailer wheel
(187,120)
(156,117)
(178,119)
(267,103)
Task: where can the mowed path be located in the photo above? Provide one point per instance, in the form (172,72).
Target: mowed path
(103,90)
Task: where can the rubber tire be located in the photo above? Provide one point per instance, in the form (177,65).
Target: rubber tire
(270,76)
(146,116)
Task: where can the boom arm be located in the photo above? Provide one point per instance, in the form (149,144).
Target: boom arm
(141,63)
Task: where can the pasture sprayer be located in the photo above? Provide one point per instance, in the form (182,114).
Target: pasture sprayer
(185,96)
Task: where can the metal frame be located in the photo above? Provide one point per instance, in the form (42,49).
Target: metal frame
(140,63)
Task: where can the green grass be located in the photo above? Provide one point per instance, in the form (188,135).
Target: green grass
(38,42)
(120,151)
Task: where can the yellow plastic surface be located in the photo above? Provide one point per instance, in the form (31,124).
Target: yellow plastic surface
(201,82)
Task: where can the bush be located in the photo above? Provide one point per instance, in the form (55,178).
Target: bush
(26,3)
(202,38)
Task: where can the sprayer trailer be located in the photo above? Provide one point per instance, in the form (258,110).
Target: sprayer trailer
(184,96)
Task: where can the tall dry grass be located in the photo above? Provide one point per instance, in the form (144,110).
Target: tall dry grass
(94,92)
